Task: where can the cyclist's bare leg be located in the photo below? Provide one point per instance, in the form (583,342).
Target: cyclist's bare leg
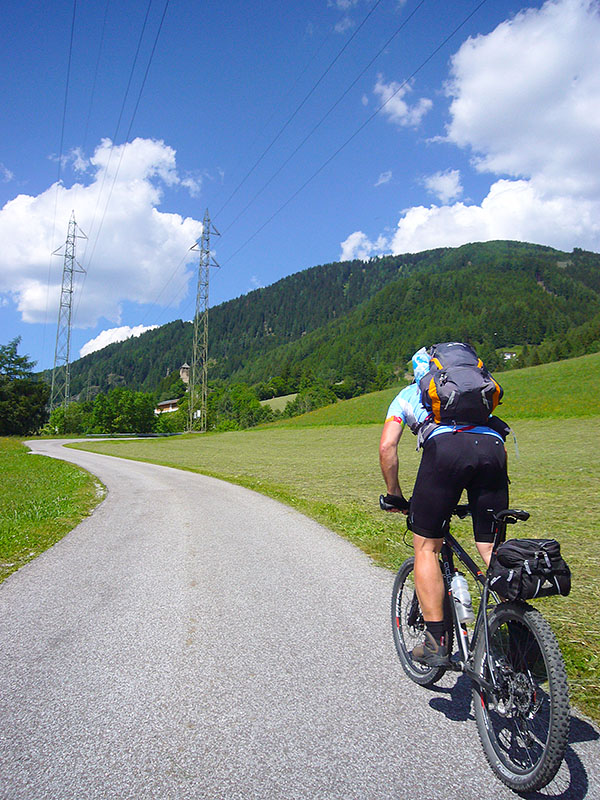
(485,551)
(428,577)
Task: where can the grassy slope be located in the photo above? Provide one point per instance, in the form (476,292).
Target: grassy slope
(325,464)
(279,403)
(546,391)
(41,500)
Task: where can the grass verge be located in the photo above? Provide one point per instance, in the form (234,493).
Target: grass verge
(41,500)
(545,391)
(332,474)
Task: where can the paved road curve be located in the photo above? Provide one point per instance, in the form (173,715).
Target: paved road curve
(192,639)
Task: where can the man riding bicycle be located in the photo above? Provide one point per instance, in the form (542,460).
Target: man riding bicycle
(455,457)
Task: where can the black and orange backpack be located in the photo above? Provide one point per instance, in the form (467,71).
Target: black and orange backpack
(458,389)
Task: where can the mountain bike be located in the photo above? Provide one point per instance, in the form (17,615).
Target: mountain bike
(519,683)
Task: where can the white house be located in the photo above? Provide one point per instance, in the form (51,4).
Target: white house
(166,406)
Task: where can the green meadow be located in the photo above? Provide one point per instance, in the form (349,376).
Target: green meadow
(325,464)
(547,391)
(279,403)
(41,500)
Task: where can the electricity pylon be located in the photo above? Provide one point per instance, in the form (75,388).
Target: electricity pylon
(199,367)
(59,394)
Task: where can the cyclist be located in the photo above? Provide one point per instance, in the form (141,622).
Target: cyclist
(454,458)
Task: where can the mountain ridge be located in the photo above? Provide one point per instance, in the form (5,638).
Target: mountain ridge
(495,294)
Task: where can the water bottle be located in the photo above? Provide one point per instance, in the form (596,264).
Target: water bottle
(462,598)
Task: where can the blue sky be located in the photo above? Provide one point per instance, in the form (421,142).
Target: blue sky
(309,130)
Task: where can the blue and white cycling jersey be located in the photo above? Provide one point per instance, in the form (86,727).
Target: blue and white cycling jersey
(407,409)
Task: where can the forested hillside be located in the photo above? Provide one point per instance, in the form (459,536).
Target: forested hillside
(319,321)
(469,295)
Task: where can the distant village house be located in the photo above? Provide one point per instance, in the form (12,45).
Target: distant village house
(167,406)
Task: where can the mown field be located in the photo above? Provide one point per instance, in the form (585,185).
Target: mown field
(325,464)
(41,499)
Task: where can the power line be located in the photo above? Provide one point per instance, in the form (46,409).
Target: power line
(121,112)
(264,127)
(294,114)
(279,102)
(97,69)
(62,131)
(324,117)
(139,96)
(92,96)
(357,131)
(386,44)
(60,158)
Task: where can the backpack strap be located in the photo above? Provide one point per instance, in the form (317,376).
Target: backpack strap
(425,429)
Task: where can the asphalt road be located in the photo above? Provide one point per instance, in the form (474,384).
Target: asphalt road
(193,639)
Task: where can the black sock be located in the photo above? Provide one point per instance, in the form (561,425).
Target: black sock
(437,630)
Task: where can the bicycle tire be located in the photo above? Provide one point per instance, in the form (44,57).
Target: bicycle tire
(525,729)
(408,627)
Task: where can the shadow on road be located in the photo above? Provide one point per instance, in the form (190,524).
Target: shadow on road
(571,782)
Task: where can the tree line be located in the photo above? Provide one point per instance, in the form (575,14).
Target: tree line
(230,406)
(496,295)
(341,329)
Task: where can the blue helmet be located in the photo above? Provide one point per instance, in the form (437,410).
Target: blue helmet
(420,362)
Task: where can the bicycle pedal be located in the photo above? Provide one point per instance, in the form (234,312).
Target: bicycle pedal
(456,661)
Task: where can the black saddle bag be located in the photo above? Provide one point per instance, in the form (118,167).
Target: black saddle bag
(527,568)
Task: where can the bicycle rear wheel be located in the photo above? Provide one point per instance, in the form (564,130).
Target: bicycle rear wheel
(408,627)
(524,729)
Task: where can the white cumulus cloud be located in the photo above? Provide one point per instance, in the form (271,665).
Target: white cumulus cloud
(132,245)
(358,245)
(395,106)
(345,5)
(445,185)
(526,97)
(525,104)
(113,335)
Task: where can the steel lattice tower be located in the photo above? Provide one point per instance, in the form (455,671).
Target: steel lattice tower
(199,366)
(59,394)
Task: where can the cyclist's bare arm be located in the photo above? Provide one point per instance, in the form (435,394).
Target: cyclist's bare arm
(388,455)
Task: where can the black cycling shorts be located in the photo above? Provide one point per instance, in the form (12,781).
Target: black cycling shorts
(450,463)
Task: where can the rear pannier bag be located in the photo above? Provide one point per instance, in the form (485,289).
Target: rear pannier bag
(458,388)
(527,568)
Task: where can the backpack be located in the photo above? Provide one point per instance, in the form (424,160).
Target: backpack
(527,568)
(458,388)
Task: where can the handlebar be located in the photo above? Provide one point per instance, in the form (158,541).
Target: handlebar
(509,516)
(399,506)
(460,511)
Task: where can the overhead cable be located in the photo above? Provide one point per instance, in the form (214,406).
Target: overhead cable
(300,106)
(324,117)
(60,160)
(139,97)
(121,112)
(184,258)
(357,131)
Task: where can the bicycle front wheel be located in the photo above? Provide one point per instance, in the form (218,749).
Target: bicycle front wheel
(524,726)
(408,627)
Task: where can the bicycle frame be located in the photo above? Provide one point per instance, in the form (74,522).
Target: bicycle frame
(451,548)
(519,682)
